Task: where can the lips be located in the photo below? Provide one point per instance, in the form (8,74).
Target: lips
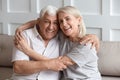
(67,31)
(50,31)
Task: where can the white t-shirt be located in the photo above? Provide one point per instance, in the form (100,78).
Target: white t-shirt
(85,57)
(36,43)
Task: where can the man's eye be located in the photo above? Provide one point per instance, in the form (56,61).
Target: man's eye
(46,21)
(56,23)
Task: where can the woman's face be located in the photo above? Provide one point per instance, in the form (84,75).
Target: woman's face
(68,24)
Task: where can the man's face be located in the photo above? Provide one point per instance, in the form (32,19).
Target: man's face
(48,26)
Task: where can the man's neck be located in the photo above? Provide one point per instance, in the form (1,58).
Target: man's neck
(46,41)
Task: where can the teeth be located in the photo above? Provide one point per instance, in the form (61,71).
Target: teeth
(50,31)
(67,29)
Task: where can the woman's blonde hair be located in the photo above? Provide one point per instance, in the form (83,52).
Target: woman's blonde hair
(76,13)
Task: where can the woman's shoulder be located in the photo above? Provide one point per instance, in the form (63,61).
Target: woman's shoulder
(85,47)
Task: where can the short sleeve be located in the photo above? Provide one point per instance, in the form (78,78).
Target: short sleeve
(19,55)
(82,54)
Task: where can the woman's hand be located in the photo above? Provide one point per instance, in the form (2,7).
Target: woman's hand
(25,26)
(21,43)
(18,31)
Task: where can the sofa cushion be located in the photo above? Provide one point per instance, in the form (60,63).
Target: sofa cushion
(109,58)
(6,45)
(110,78)
(5,73)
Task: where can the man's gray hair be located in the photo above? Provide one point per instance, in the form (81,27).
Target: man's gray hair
(50,10)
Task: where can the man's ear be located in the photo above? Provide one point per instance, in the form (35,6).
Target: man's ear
(38,21)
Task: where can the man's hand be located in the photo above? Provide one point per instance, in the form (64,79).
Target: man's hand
(55,64)
(66,60)
(91,38)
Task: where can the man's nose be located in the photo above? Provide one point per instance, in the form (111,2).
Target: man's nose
(51,26)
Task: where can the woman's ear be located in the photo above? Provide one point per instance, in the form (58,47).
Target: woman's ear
(80,19)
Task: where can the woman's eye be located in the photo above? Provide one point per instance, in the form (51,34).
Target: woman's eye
(67,19)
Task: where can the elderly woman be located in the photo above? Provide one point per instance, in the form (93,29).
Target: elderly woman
(83,57)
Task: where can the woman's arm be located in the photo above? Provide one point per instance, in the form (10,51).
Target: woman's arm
(40,63)
(21,44)
(25,26)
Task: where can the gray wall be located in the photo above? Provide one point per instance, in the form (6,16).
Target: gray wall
(102,17)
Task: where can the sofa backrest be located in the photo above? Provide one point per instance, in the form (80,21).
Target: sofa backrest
(109,58)
(108,63)
(6,45)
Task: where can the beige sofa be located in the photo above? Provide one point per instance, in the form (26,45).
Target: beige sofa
(6,45)
(109,59)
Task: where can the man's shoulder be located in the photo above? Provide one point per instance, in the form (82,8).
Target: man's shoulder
(29,32)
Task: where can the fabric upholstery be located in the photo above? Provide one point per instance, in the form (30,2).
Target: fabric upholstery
(5,73)
(6,45)
(110,78)
(109,58)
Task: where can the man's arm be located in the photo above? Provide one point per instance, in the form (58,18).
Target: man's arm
(25,67)
(22,65)
(21,44)
(28,67)
(91,38)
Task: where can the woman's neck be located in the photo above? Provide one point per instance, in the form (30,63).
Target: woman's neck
(74,39)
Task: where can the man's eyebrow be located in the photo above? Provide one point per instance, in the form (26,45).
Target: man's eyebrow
(45,19)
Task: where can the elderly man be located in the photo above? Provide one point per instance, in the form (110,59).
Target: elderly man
(44,40)
(41,38)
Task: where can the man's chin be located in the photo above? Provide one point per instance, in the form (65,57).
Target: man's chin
(50,37)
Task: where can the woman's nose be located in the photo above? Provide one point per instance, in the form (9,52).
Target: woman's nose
(64,23)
